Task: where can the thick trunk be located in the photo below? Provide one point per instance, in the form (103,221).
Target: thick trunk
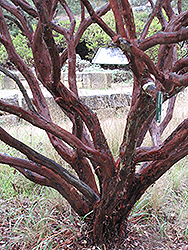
(109,225)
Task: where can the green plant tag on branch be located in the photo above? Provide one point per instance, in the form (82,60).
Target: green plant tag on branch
(159,106)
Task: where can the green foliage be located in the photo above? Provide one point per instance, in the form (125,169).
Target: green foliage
(182,49)
(21,45)
(141,18)
(81,64)
(1,78)
(95,37)
(19,40)
(3,54)
(184,5)
(59,39)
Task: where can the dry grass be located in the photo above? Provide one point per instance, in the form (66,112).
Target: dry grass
(180,111)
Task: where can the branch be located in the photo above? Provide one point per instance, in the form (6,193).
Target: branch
(26,7)
(180,64)
(93,155)
(169,114)
(84,171)
(88,21)
(60,30)
(54,129)
(38,98)
(164,38)
(42,58)
(175,147)
(71,17)
(43,109)
(72,66)
(162,19)
(70,100)
(179,7)
(21,87)
(98,19)
(155,133)
(129,19)
(77,202)
(149,154)
(14,20)
(32,176)
(167,54)
(118,17)
(141,110)
(143,57)
(83,13)
(177,81)
(168,81)
(41,175)
(55,167)
(151,3)
(49,40)
(155,10)
(168,9)
(77,162)
(84,24)
(58,144)
(14,11)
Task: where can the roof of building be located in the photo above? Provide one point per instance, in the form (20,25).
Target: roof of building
(110,56)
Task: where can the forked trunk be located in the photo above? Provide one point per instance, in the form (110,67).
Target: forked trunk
(103,187)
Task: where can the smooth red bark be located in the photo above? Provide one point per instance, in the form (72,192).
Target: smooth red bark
(103,185)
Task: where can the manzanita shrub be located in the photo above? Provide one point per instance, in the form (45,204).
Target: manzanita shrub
(104,188)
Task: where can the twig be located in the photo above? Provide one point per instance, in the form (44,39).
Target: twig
(21,87)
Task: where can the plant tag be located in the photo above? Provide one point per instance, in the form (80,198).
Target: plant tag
(159,106)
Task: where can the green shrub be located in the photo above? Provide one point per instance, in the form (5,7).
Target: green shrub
(94,37)
(3,54)
(184,5)
(21,45)
(141,19)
